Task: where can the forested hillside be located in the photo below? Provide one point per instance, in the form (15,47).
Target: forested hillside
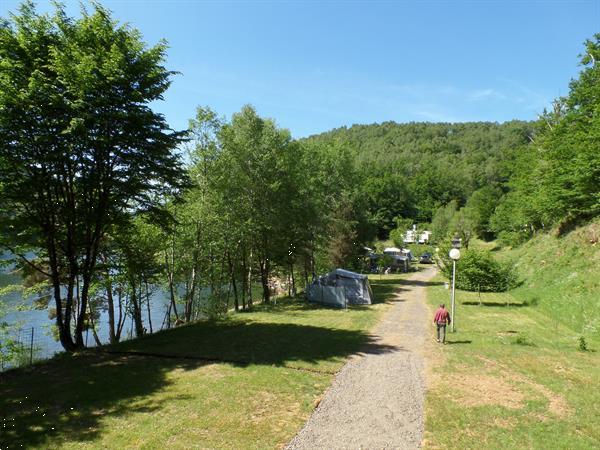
(507,180)
(410,170)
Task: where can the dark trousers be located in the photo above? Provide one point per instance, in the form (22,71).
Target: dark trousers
(441,332)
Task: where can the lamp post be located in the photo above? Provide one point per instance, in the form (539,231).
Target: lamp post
(455,256)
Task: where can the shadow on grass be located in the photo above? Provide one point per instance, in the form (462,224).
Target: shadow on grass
(496,304)
(421,283)
(385,289)
(448,342)
(386,293)
(66,398)
(246,342)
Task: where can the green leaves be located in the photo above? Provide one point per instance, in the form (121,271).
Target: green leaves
(557,177)
(80,148)
(477,270)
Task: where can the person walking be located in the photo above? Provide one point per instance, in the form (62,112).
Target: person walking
(441,319)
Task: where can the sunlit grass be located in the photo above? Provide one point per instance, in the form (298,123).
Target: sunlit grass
(511,377)
(249,381)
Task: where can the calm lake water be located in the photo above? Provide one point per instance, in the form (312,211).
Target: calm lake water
(44,344)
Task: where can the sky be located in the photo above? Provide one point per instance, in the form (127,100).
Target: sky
(317,65)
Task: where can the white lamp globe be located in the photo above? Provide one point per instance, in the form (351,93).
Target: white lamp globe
(454,254)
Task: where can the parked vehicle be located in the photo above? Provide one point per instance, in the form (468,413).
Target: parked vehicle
(426,258)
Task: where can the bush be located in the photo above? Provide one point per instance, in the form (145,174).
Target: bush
(523,340)
(513,238)
(477,270)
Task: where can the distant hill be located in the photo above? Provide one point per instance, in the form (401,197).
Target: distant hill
(411,169)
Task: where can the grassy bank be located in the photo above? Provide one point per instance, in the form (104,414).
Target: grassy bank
(562,276)
(512,377)
(249,381)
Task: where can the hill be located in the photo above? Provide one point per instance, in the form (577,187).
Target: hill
(411,169)
(561,276)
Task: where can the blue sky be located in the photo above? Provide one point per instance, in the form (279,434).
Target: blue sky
(316,65)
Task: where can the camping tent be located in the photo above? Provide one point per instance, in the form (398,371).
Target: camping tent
(340,288)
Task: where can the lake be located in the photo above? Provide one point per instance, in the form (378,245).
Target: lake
(44,344)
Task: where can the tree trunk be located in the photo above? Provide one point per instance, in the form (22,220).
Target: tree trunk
(148,306)
(293,280)
(249,282)
(69,314)
(137,311)
(305,273)
(264,278)
(244,279)
(91,316)
(111,309)
(121,319)
(170,268)
(233,283)
(83,302)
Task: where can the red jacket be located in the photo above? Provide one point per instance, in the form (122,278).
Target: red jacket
(442,316)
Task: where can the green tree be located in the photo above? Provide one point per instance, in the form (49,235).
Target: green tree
(570,184)
(482,204)
(442,220)
(80,148)
(463,225)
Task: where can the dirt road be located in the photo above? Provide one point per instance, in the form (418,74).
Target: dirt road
(376,400)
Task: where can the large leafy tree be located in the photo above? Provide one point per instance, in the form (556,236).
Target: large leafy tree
(556,178)
(80,148)
(571,182)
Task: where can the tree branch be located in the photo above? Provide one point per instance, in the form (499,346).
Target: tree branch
(29,263)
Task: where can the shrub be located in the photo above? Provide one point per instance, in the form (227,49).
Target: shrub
(513,238)
(533,301)
(477,270)
(523,340)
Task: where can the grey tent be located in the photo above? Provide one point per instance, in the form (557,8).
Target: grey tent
(340,288)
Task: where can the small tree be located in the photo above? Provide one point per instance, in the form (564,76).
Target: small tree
(478,271)
(463,223)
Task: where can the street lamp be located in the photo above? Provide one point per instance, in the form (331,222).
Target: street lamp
(455,256)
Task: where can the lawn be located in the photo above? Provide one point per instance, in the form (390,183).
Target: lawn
(248,381)
(511,377)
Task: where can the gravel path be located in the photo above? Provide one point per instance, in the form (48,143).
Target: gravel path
(376,400)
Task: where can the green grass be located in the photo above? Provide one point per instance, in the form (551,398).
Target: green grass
(249,381)
(511,377)
(562,276)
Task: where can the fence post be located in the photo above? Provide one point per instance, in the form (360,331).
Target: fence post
(31,348)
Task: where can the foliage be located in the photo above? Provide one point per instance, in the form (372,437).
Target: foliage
(555,178)
(582,344)
(478,270)
(80,148)
(441,223)
(12,351)
(481,205)
(410,170)
(463,225)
